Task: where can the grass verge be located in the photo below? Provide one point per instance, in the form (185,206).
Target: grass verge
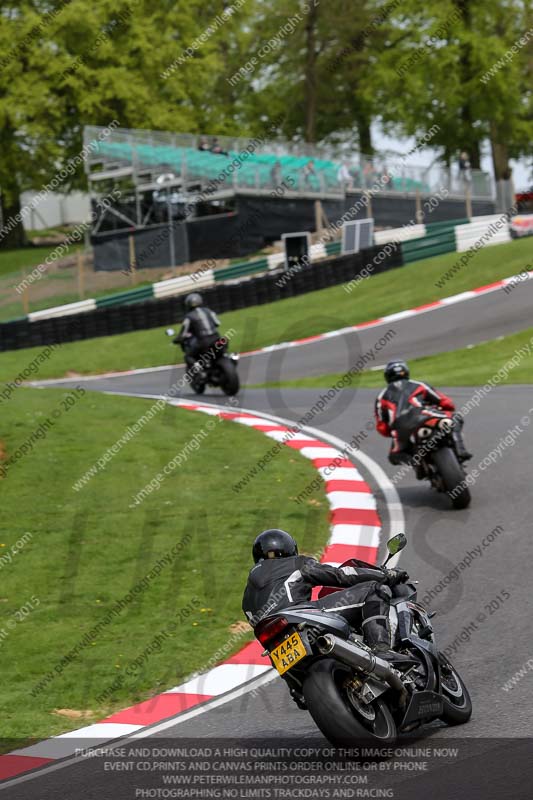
(27,258)
(81,552)
(470,366)
(293,318)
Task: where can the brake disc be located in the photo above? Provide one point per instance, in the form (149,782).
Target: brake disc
(364,709)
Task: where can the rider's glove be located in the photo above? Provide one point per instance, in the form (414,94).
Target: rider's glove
(395,576)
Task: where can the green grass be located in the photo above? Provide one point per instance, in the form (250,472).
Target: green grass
(27,258)
(470,366)
(59,230)
(15,310)
(89,548)
(308,314)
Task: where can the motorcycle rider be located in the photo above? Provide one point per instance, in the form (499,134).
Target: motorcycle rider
(281,578)
(395,398)
(199,330)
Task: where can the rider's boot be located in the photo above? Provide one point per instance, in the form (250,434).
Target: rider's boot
(462,453)
(376,635)
(420,472)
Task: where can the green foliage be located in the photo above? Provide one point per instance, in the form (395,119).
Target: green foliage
(87,550)
(69,64)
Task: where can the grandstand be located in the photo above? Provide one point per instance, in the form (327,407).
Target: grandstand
(207,199)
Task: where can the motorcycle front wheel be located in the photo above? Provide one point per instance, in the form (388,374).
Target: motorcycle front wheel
(341,718)
(455,697)
(197,386)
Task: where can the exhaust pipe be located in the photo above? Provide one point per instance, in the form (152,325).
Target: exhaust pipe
(354,657)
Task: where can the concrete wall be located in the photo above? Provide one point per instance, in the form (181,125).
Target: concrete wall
(54,209)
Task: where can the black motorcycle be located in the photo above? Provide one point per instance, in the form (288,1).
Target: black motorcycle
(432,447)
(351,693)
(214,367)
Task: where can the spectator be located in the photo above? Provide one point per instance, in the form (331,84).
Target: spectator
(386,178)
(216,147)
(464,167)
(275,174)
(368,174)
(357,177)
(203,144)
(344,176)
(309,172)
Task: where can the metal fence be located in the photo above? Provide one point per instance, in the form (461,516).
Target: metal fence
(306,169)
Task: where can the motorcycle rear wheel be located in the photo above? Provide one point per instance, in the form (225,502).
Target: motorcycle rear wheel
(336,716)
(230,377)
(452,476)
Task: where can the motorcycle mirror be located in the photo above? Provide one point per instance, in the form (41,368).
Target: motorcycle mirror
(395,545)
(170,331)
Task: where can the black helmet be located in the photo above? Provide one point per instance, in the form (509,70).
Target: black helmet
(276,542)
(396,371)
(193,300)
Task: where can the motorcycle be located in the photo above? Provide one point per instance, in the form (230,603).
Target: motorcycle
(430,434)
(214,367)
(350,692)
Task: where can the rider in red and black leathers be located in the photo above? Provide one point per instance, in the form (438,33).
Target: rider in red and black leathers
(401,392)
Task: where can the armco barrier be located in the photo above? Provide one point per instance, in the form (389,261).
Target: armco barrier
(400,234)
(239,270)
(489,230)
(428,246)
(63,311)
(123,298)
(184,284)
(445,225)
(439,238)
(153,313)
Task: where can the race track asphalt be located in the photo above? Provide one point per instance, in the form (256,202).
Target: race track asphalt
(439,539)
(438,330)
(490,638)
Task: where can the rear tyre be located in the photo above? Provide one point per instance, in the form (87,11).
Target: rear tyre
(453,477)
(339,719)
(455,695)
(230,377)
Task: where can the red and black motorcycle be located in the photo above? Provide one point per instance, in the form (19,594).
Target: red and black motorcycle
(429,431)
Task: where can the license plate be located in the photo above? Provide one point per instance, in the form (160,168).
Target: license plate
(288,653)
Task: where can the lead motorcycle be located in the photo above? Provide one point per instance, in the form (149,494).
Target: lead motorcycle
(429,431)
(215,367)
(351,693)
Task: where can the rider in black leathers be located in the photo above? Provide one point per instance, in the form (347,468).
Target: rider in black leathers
(281,578)
(399,395)
(199,330)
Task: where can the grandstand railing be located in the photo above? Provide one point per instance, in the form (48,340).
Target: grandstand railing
(144,153)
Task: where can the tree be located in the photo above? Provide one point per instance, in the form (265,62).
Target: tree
(71,64)
(449,76)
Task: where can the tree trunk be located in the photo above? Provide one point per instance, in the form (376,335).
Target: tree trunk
(12,232)
(365,135)
(310,74)
(471,144)
(470,136)
(500,155)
